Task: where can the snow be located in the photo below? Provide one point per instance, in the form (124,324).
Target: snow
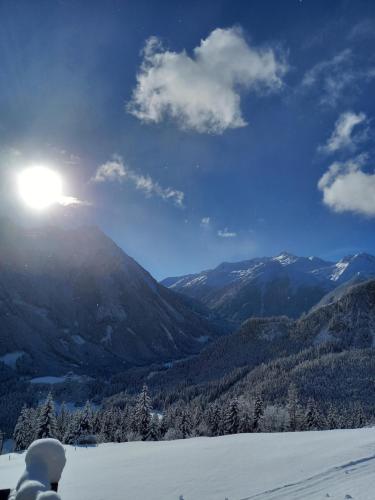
(78,339)
(107,338)
(47,455)
(285,258)
(50,379)
(203,339)
(130,330)
(323,336)
(169,335)
(339,269)
(307,466)
(44,462)
(196,280)
(10,359)
(48,495)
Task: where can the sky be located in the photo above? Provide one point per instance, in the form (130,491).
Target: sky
(196,132)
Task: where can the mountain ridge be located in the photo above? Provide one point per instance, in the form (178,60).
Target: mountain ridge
(268,286)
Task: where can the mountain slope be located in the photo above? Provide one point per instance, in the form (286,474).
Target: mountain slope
(71,300)
(271,286)
(267,349)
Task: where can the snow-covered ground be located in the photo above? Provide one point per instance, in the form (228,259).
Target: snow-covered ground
(310,465)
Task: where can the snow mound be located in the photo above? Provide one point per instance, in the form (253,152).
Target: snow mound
(45,461)
(47,455)
(48,495)
(28,490)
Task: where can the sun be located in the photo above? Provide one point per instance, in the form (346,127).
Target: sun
(40,187)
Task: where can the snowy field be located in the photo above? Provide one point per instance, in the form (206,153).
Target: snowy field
(310,465)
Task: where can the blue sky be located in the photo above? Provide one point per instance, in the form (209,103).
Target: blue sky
(196,132)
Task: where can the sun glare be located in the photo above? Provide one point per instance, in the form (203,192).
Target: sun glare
(40,187)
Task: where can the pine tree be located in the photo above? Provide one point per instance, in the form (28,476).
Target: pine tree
(107,428)
(293,408)
(71,433)
(154,434)
(231,418)
(163,426)
(313,418)
(62,422)
(46,425)
(24,430)
(214,420)
(85,421)
(246,421)
(142,414)
(359,419)
(332,419)
(97,422)
(184,424)
(258,412)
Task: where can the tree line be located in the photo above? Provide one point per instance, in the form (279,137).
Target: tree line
(137,420)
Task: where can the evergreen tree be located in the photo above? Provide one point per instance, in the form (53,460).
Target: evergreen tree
(313,418)
(293,408)
(85,421)
(359,419)
(258,412)
(142,414)
(332,419)
(107,429)
(71,433)
(184,424)
(163,426)
(214,420)
(154,428)
(232,418)
(97,422)
(246,421)
(62,422)
(46,425)
(24,430)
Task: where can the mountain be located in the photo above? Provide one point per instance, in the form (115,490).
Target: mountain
(72,301)
(328,354)
(271,286)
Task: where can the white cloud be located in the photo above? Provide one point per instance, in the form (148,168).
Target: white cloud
(116,171)
(362,30)
(225,233)
(202,92)
(205,221)
(347,188)
(66,201)
(113,170)
(342,136)
(336,76)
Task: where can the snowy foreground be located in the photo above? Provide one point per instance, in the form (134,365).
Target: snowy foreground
(310,465)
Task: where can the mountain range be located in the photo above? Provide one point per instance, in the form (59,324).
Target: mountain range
(271,286)
(74,307)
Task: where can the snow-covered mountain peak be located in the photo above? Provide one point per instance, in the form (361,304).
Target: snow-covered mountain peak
(283,284)
(285,258)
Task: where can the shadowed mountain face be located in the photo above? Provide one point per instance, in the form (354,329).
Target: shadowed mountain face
(71,300)
(271,286)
